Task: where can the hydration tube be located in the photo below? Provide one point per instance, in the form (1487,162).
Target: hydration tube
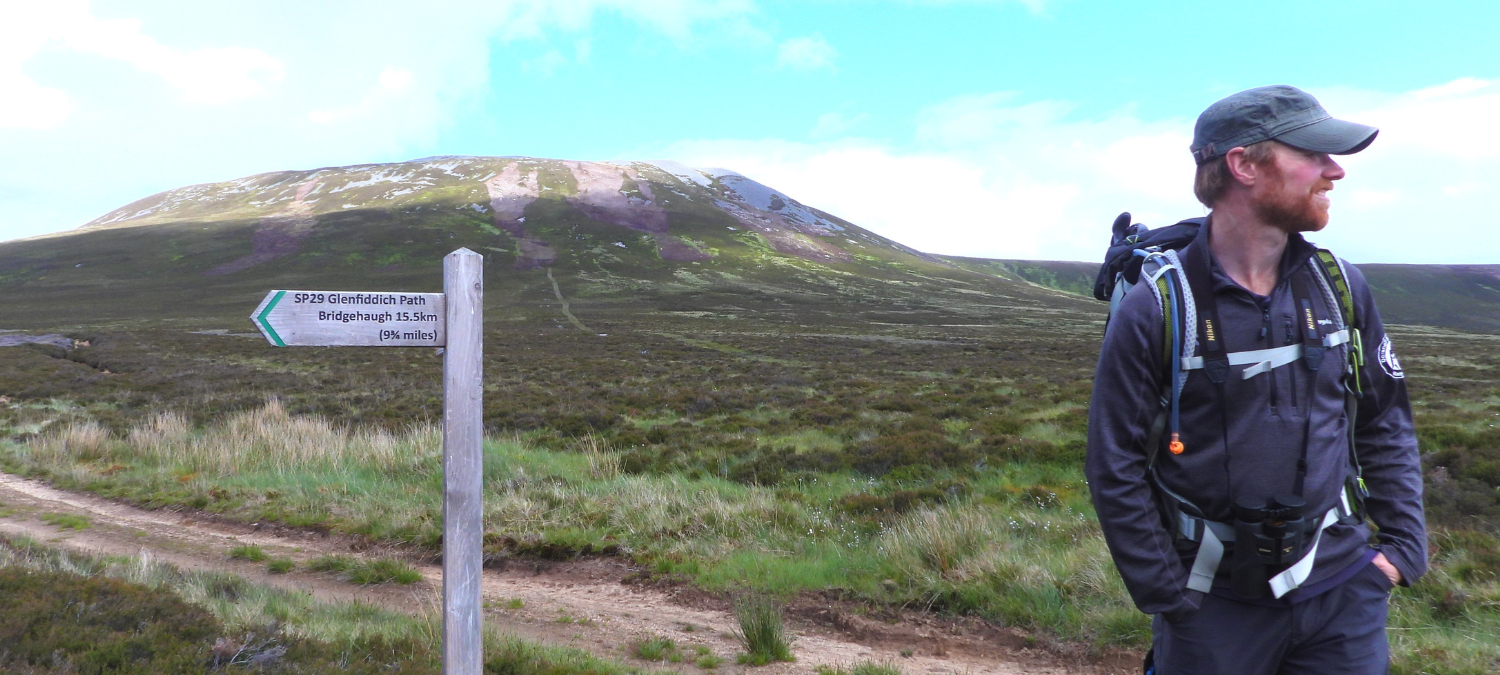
(1175,446)
(1174,303)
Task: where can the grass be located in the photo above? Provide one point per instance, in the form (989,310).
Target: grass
(861,668)
(656,648)
(332,563)
(761,631)
(383,571)
(280,565)
(948,535)
(366,571)
(1014,543)
(66,521)
(179,621)
(248,552)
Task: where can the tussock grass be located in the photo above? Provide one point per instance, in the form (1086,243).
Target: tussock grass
(280,565)
(366,572)
(66,521)
(332,563)
(761,631)
(861,668)
(267,439)
(604,464)
(383,571)
(655,648)
(248,552)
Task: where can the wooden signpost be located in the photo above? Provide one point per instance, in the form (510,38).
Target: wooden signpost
(454,320)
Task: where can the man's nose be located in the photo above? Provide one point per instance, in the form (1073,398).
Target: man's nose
(1331,168)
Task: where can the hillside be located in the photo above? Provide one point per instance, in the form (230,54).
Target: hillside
(1464,297)
(603,238)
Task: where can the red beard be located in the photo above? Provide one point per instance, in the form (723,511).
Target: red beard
(1290,211)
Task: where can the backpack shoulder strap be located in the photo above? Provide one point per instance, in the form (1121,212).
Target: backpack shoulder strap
(1333,271)
(1332,275)
(1337,282)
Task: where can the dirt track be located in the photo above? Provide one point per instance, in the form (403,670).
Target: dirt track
(607,613)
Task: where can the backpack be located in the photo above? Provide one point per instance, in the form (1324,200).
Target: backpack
(1138,254)
(1122,264)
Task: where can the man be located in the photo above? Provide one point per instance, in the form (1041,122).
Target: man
(1260,429)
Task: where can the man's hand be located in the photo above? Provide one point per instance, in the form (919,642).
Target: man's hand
(1387,568)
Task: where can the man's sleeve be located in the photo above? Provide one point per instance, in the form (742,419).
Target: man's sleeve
(1126,399)
(1385,441)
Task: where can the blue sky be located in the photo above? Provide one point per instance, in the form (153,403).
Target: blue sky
(1005,128)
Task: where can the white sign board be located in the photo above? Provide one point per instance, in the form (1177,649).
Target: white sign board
(352,319)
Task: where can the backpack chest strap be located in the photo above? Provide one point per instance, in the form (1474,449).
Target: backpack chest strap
(1265,360)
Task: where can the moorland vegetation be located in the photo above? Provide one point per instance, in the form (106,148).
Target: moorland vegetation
(901,466)
(149,618)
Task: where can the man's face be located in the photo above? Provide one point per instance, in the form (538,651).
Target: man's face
(1293,191)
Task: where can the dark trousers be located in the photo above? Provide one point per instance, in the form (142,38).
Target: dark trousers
(1341,631)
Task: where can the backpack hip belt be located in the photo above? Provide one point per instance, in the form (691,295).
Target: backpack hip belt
(1211,536)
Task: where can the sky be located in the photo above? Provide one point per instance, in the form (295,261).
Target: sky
(1000,128)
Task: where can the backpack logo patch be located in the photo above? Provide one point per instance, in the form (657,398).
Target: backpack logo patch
(1386,354)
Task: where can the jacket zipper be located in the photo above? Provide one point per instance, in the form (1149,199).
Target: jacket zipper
(1265,331)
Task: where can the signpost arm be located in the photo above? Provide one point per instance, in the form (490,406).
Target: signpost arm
(463,435)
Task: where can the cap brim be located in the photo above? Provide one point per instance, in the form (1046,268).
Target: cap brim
(1333,136)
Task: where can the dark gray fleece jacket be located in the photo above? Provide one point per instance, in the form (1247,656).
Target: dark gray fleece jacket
(1271,417)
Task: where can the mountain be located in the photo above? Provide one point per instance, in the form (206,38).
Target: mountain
(566,241)
(571,242)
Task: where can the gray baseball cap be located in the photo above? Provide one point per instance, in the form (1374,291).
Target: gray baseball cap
(1287,114)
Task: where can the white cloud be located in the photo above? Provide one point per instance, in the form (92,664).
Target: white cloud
(805,53)
(1450,120)
(29,105)
(202,76)
(985,177)
(990,175)
(389,87)
(138,97)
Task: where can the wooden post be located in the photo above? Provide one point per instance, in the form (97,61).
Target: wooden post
(463,436)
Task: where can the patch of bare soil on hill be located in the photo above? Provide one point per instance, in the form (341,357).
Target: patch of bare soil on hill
(602,605)
(278,236)
(510,191)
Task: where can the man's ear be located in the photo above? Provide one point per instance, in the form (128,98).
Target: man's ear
(1244,171)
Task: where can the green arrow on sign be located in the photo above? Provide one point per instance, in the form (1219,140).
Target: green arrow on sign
(261,318)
